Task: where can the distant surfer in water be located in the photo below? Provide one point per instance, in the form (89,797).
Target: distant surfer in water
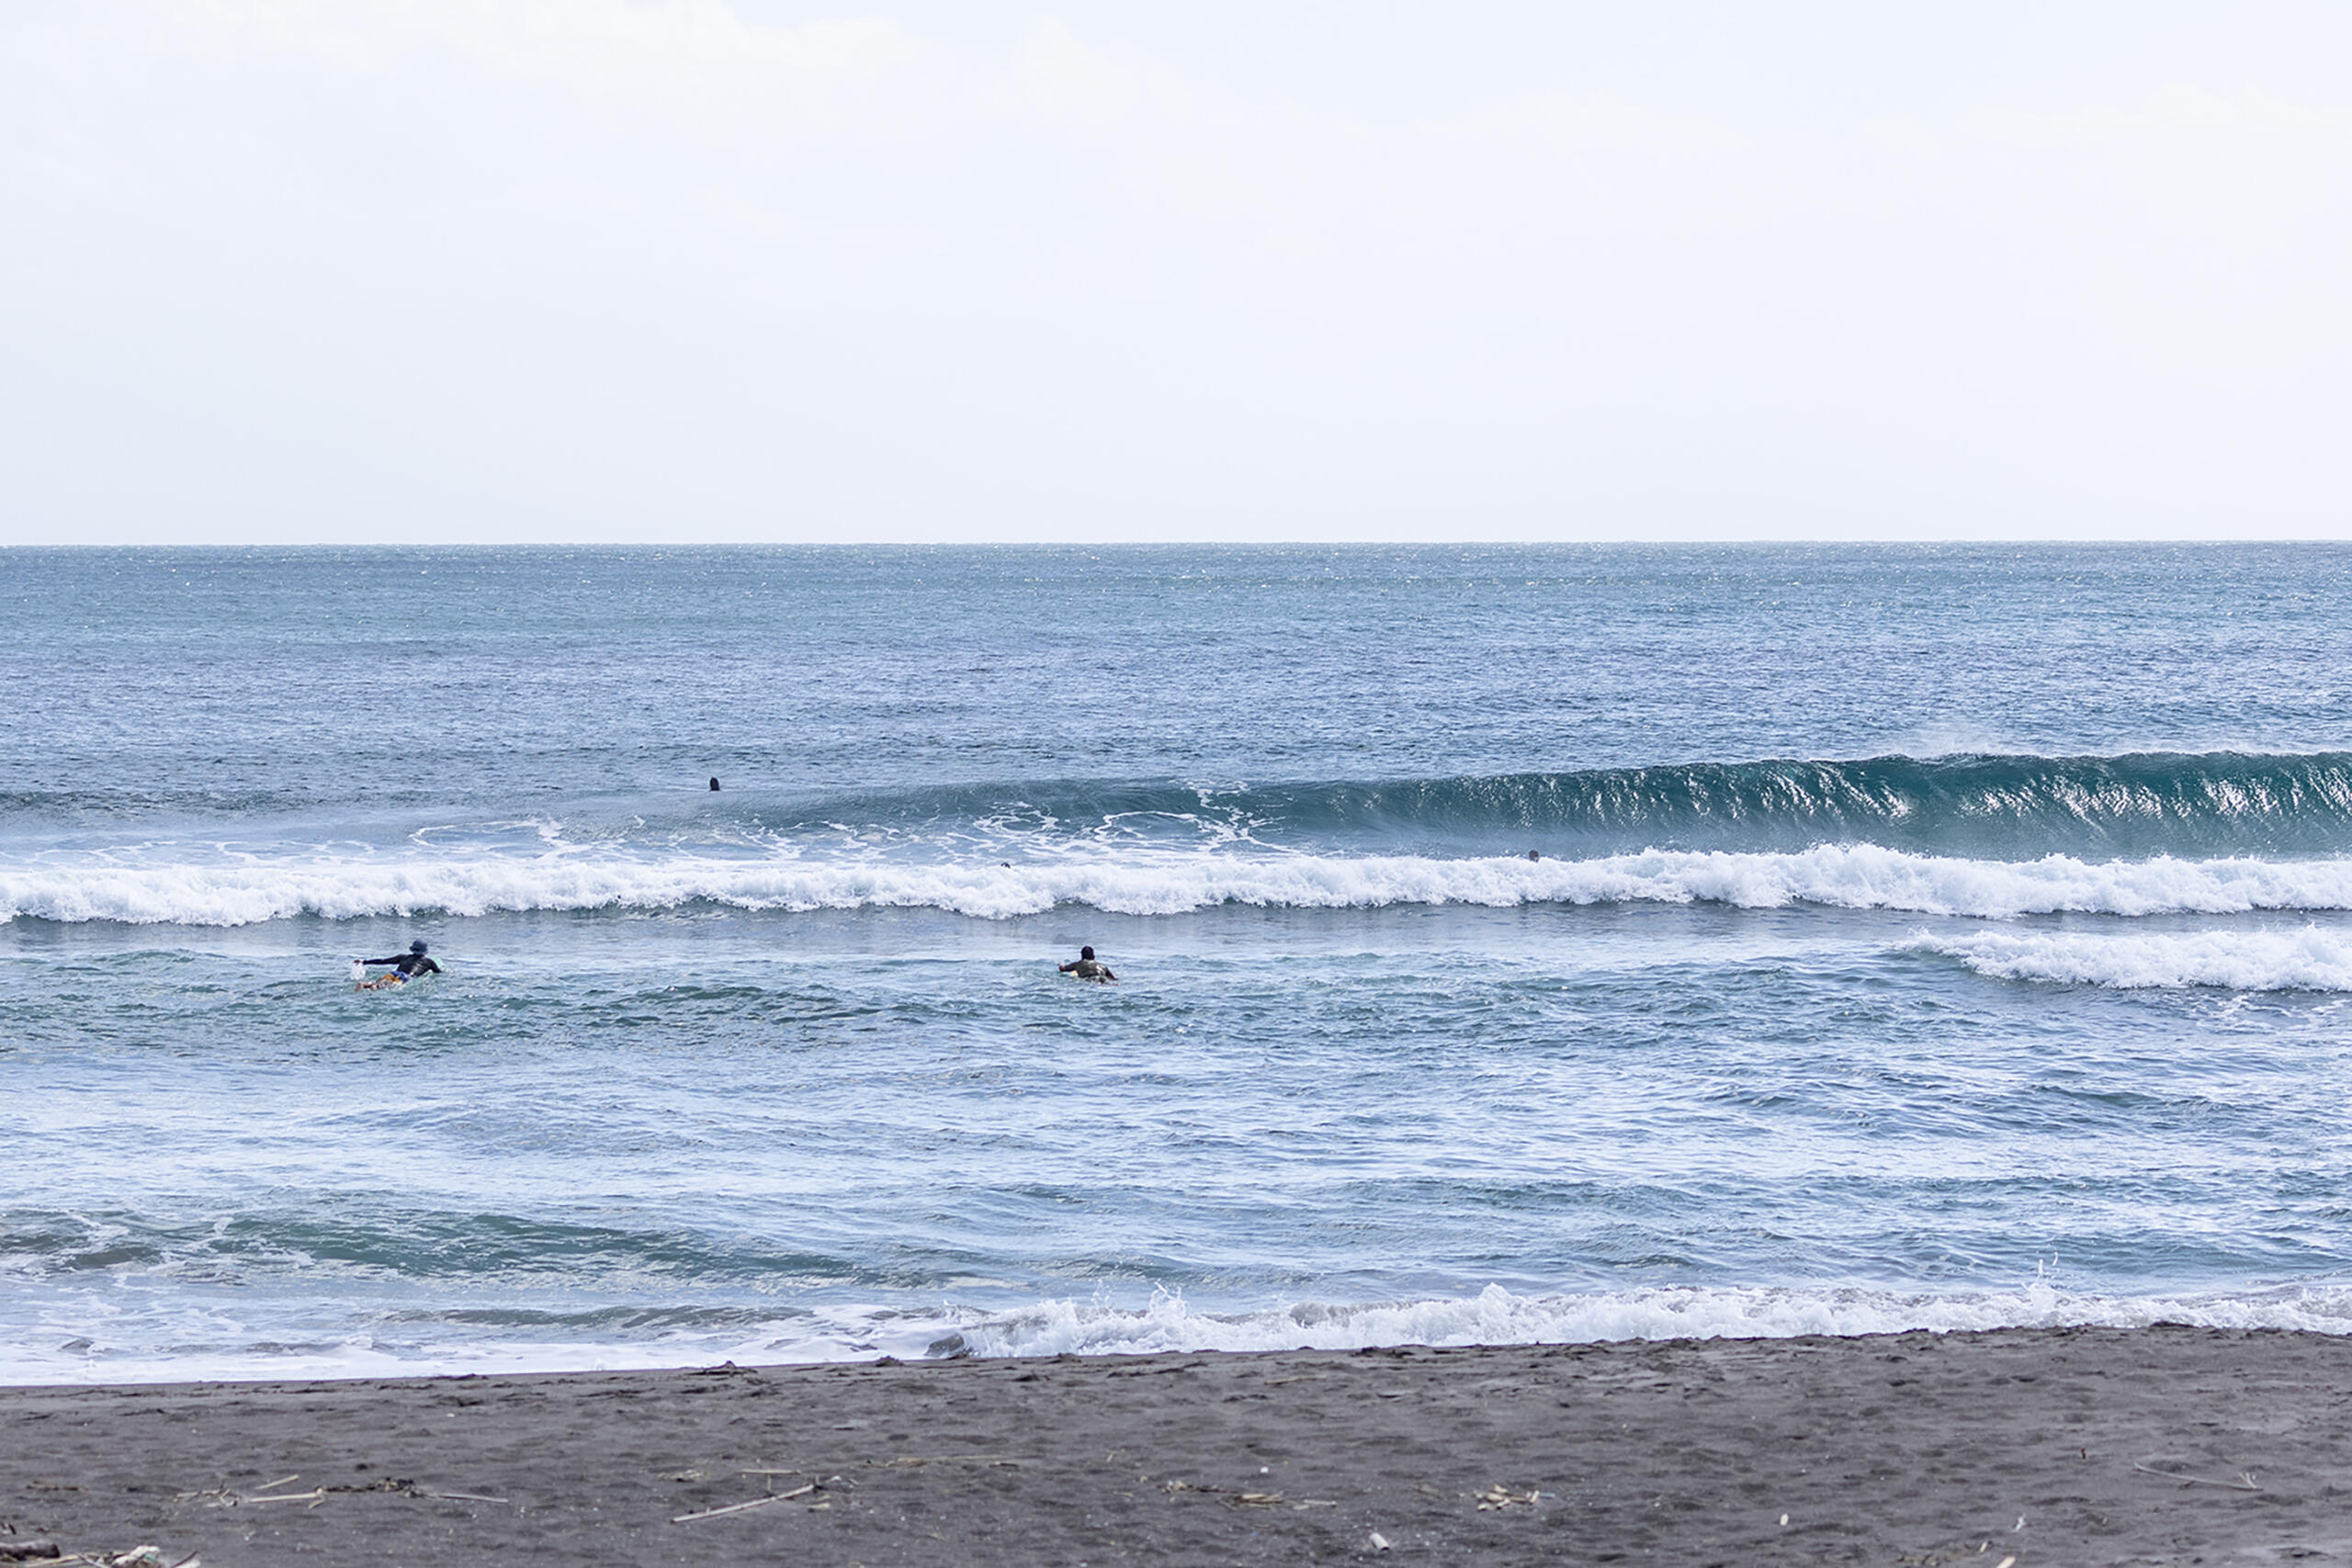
(1086,968)
(406,966)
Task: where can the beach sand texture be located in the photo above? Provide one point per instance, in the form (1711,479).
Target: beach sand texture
(2060,1446)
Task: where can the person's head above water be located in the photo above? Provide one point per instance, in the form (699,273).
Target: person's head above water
(1086,952)
(417,947)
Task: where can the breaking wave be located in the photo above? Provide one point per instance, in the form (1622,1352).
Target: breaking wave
(2308,960)
(2008,807)
(210,1346)
(1849,877)
(1998,806)
(1988,835)
(1496,1316)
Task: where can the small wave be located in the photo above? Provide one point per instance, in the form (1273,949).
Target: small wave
(1851,876)
(93,1342)
(183,1342)
(2308,960)
(1496,1316)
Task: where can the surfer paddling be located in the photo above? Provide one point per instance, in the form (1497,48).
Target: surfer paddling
(1086,968)
(405,967)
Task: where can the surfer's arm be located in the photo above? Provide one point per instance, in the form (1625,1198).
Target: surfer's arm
(395,958)
(428,967)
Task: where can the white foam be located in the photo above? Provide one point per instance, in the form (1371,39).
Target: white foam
(63,1353)
(2307,960)
(1493,1316)
(241,892)
(1496,1316)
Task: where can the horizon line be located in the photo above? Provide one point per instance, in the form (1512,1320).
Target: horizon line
(2091,541)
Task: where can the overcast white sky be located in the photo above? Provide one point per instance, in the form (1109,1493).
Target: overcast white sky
(480,270)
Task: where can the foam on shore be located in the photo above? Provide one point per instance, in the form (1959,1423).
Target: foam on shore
(1168,1323)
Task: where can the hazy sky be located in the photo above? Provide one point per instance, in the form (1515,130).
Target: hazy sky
(477,270)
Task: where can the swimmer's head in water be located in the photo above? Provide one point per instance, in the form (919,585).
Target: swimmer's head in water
(1086,952)
(417,947)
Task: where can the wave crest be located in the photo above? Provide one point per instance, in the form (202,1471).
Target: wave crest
(2013,805)
(1851,876)
(2308,960)
(2007,807)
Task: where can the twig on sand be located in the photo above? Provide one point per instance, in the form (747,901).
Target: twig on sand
(999,1459)
(746,1507)
(221,1497)
(1002,1461)
(1250,1499)
(2245,1482)
(137,1557)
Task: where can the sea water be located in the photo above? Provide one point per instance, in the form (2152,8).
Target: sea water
(1513,944)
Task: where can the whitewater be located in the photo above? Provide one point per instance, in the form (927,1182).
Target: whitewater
(1860,877)
(1515,944)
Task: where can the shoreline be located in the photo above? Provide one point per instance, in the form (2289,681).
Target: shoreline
(2044,1445)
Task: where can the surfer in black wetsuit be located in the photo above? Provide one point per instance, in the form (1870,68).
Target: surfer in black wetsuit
(1086,968)
(405,966)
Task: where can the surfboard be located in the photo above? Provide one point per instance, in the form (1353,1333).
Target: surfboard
(384,982)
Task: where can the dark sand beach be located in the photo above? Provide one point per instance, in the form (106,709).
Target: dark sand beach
(2085,1446)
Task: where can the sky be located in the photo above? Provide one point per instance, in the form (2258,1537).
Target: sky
(477,271)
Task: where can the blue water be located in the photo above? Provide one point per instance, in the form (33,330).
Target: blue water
(1919,937)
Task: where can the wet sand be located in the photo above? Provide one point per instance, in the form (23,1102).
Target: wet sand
(2076,1445)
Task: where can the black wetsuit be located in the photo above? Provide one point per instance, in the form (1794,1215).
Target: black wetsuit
(409,965)
(1088,969)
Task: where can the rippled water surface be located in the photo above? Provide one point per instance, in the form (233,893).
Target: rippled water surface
(1913,937)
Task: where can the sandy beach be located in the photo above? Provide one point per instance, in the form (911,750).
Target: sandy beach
(2068,1446)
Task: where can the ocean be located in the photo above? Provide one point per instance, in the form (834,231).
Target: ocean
(1514,944)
